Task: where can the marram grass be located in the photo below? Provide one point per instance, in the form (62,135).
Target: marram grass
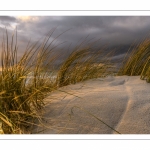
(82,64)
(138,63)
(21,98)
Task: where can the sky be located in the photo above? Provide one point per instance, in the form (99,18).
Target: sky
(114,31)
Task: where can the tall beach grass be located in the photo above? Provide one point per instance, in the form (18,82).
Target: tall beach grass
(138,62)
(83,64)
(22,97)
(26,81)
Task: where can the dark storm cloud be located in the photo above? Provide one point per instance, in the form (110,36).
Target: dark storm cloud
(112,30)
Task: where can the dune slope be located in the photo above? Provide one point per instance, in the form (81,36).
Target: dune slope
(122,102)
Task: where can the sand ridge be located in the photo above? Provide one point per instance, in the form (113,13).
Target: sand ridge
(122,102)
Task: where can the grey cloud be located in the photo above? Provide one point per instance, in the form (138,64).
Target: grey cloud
(112,30)
(6,21)
(7,18)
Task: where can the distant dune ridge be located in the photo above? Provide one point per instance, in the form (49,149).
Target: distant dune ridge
(111,105)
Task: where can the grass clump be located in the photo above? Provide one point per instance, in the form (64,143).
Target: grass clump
(138,63)
(22,97)
(83,64)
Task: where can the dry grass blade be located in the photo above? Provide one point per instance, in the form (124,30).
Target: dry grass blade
(95,118)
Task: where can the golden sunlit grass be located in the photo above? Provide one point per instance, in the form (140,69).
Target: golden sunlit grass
(81,65)
(138,63)
(21,97)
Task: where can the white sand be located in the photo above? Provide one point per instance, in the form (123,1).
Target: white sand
(122,102)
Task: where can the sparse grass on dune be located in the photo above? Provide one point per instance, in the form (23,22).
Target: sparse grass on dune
(138,63)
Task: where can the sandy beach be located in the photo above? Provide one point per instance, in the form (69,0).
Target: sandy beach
(111,105)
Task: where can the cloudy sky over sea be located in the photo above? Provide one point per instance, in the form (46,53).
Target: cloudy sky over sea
(111,30)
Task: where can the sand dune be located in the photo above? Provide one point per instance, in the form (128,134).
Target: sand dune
(122,102)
